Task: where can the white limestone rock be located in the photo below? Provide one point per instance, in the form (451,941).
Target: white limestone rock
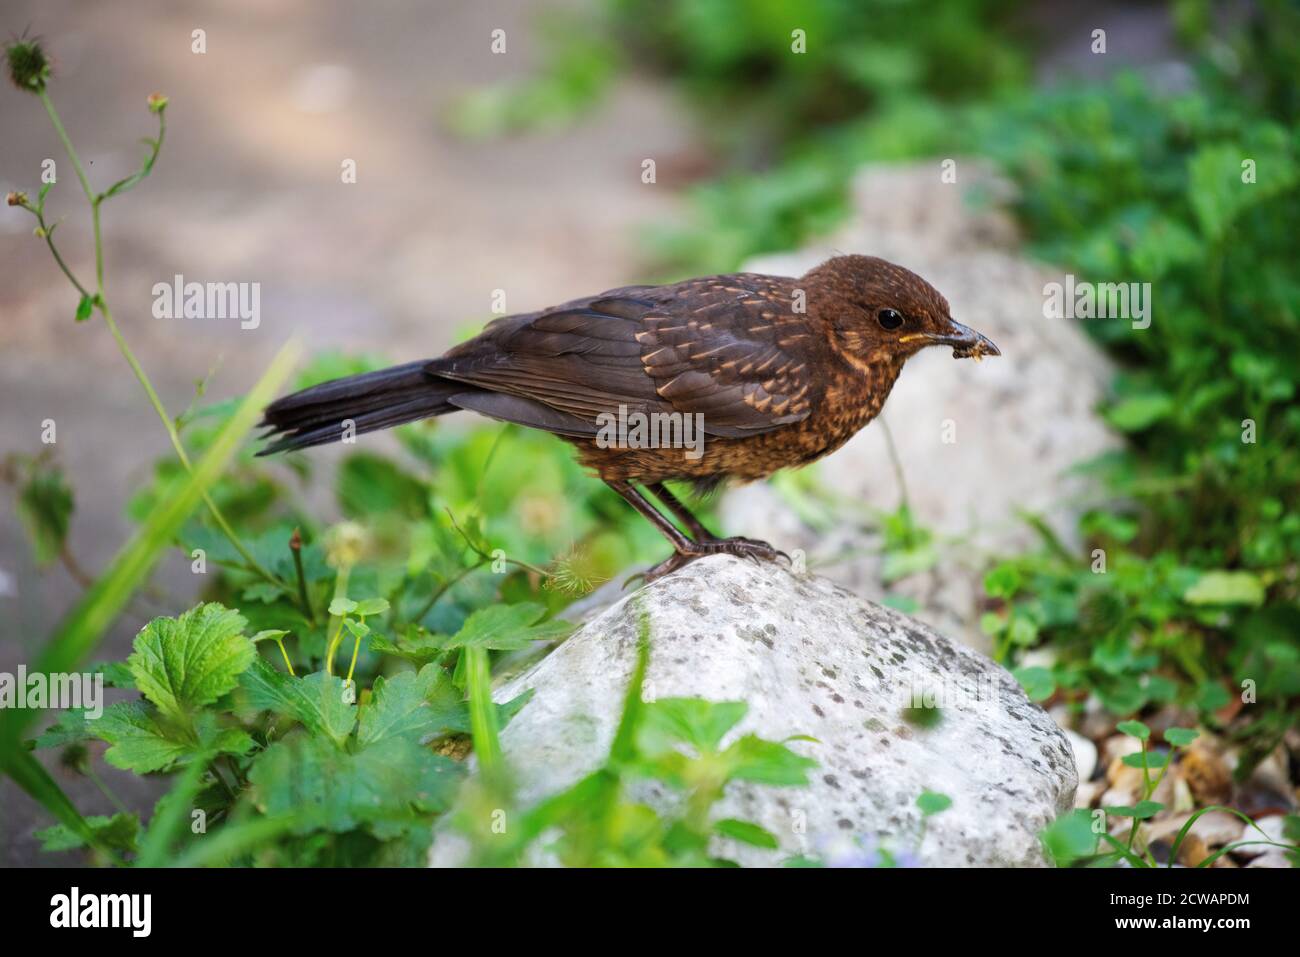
(810,658)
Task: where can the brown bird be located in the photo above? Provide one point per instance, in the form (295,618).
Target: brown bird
(723,377)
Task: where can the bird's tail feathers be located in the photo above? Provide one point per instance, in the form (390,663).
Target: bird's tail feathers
(370,401)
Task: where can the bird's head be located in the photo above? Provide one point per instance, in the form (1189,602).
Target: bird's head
(880,312)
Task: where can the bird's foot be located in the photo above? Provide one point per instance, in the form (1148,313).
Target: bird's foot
(741,547)
(750,548)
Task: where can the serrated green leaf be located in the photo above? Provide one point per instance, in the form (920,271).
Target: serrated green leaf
(317,701)
(766,762)
(399,707)
(184,663)
(116,674)
(692,721)
(144,741)
(507,628)
(140,743)
(117,832)
(324,787)
(71,728)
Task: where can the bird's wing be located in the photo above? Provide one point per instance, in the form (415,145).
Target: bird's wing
(727,347)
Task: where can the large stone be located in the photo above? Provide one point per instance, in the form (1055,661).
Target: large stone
(810,658)
(979,443)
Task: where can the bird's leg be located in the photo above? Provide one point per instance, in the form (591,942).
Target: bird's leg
(697,529)
(745,547)
(684,549)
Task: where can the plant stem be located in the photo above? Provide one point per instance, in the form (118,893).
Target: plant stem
(896,462)
(444,588)
(340,591)
(287,663)
(102,304)
(105,789)
(295,546)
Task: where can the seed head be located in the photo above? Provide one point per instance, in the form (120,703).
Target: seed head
(29,67)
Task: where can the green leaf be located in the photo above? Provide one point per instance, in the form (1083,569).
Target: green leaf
(507,628)
(370,485)
(1037,681)
(931,802)
(371,606)
(342,606)
(1134,729)
(766,762)
(144,741)
(184,663)
(85,307)
(1181,737)
(71,728)
(321,786)
(399,707)
(1226,588)
(1142,811)
(692,721)
(118,832)
(139,742)
(317,701)
(746,832)
(270,634)
(1070,838)
(1154,760)
(1139,412)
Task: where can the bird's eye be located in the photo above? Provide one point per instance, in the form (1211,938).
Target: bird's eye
(890,318)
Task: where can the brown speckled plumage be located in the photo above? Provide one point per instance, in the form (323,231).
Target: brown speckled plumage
(778,371)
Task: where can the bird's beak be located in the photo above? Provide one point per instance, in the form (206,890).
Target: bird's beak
(966,342)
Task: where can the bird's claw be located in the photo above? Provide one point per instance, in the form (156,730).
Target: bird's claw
(748,548)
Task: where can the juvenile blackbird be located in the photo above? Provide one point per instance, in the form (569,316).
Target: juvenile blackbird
(771,373)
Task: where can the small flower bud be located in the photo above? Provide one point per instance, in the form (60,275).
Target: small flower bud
(16,198)
(157,102)
(345,543)
(29,67)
